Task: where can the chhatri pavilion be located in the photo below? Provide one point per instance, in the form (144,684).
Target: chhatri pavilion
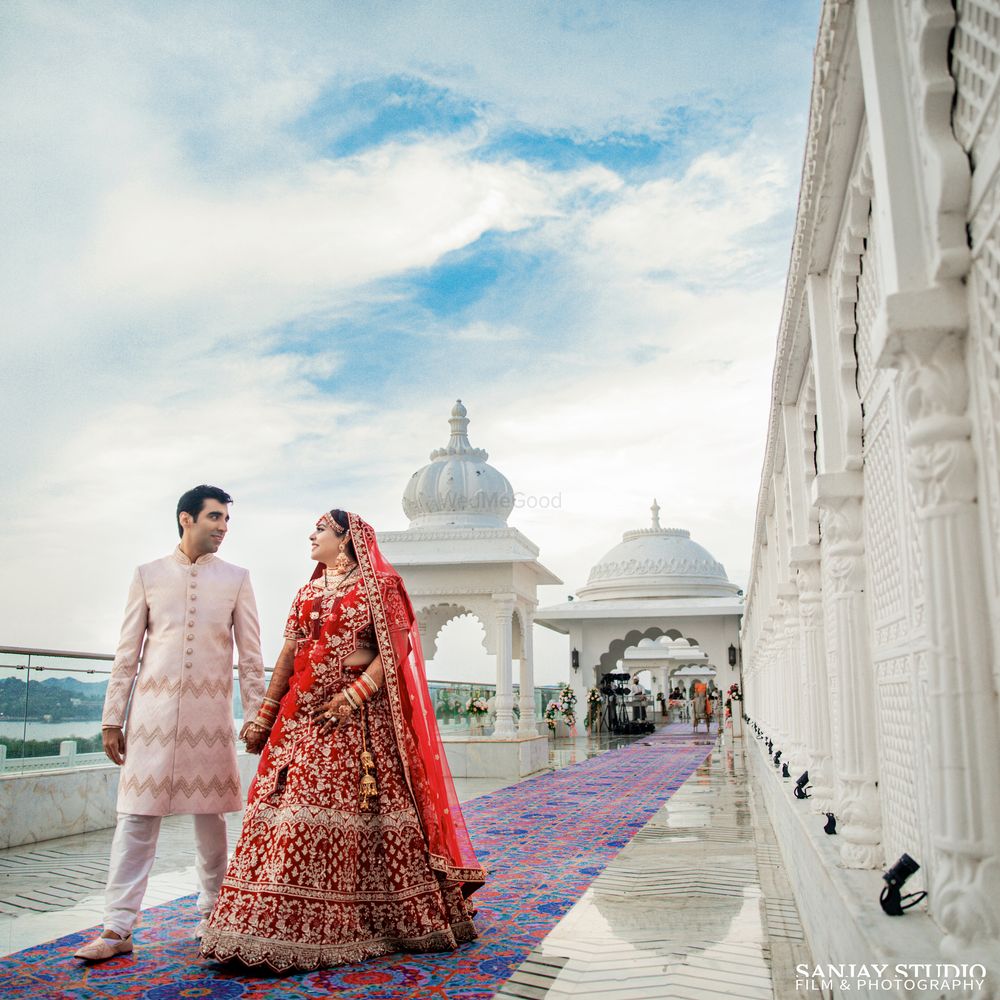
(460,557)
(656,601)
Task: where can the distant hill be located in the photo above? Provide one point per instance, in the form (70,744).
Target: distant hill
(85,688)
(54,699)
(59,699)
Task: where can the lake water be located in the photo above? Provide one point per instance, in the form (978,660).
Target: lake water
(50,730)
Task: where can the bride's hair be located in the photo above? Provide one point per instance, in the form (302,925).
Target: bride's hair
(340,516)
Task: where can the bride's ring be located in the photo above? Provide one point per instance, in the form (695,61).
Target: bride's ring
(328,715)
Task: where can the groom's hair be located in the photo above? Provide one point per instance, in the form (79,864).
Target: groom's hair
(193,501)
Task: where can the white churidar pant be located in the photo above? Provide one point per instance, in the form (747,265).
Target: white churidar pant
(133,851)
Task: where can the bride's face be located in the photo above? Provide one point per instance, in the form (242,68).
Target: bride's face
(325,544)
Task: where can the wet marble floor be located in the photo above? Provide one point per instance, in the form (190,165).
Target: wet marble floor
(696,905)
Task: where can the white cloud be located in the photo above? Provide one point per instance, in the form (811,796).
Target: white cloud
(694,227)
(484,332)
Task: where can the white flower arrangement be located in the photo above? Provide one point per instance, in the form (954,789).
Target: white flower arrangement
(567,703)
(551,711)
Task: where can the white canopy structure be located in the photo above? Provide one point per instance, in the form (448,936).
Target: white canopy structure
(657,600)
(459,557)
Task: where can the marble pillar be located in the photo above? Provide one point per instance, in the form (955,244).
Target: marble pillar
(964,736)
(527,725)
(816,694)
(856,802)
(793,685)
(504,726)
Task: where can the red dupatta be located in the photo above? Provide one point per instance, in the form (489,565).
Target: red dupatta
(415,726)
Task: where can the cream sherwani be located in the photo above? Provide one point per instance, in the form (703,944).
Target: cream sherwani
(180,735)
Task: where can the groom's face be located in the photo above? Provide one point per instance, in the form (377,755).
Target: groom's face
(205,533)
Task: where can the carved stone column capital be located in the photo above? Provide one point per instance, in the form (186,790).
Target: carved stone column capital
(842,521)
(808,580)
(503,607)
(934,396)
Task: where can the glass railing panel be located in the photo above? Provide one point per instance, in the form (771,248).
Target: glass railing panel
(63,717)
(60,700)
(450,701)
(13,696)
(51,704)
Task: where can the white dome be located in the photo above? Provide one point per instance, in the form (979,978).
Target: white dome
(657,562)
(459,489)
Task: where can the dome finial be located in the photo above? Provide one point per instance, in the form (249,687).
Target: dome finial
(458,443)
(656,515)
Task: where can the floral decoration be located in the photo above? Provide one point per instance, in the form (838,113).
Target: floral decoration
(567,704)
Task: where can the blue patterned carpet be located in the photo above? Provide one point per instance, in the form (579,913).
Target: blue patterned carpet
(543,840)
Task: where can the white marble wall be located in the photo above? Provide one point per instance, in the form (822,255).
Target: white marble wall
(483,757)
(43,805)
(870,636)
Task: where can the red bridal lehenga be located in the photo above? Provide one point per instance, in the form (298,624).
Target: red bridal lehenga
(323,875)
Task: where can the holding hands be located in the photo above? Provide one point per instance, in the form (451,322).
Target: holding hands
(254,733)
(254,737)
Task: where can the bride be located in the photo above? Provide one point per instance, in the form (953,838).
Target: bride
(353,843)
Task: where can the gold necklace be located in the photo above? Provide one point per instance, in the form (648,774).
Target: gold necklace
(336,581)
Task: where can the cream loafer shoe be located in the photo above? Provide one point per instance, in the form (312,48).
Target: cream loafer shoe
(102,948)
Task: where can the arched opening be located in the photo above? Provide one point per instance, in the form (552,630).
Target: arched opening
(458,666)
(635,638)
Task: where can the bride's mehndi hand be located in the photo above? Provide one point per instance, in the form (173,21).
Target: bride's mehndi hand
(328,715)
(254,738)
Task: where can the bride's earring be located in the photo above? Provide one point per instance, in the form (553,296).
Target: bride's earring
(341,563)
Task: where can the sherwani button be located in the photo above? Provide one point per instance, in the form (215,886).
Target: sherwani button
(190,635)
(188,664)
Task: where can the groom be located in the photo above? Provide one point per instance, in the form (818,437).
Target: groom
(175,738)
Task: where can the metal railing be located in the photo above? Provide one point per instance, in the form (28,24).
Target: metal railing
(50,712)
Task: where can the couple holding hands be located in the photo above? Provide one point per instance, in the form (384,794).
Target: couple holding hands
(353,843)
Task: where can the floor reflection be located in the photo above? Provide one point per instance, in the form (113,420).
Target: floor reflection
(681,911)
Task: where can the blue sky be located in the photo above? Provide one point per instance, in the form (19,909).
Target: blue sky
(269,246)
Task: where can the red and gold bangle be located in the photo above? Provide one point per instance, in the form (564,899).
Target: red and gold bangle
(370,684)
(360,692)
